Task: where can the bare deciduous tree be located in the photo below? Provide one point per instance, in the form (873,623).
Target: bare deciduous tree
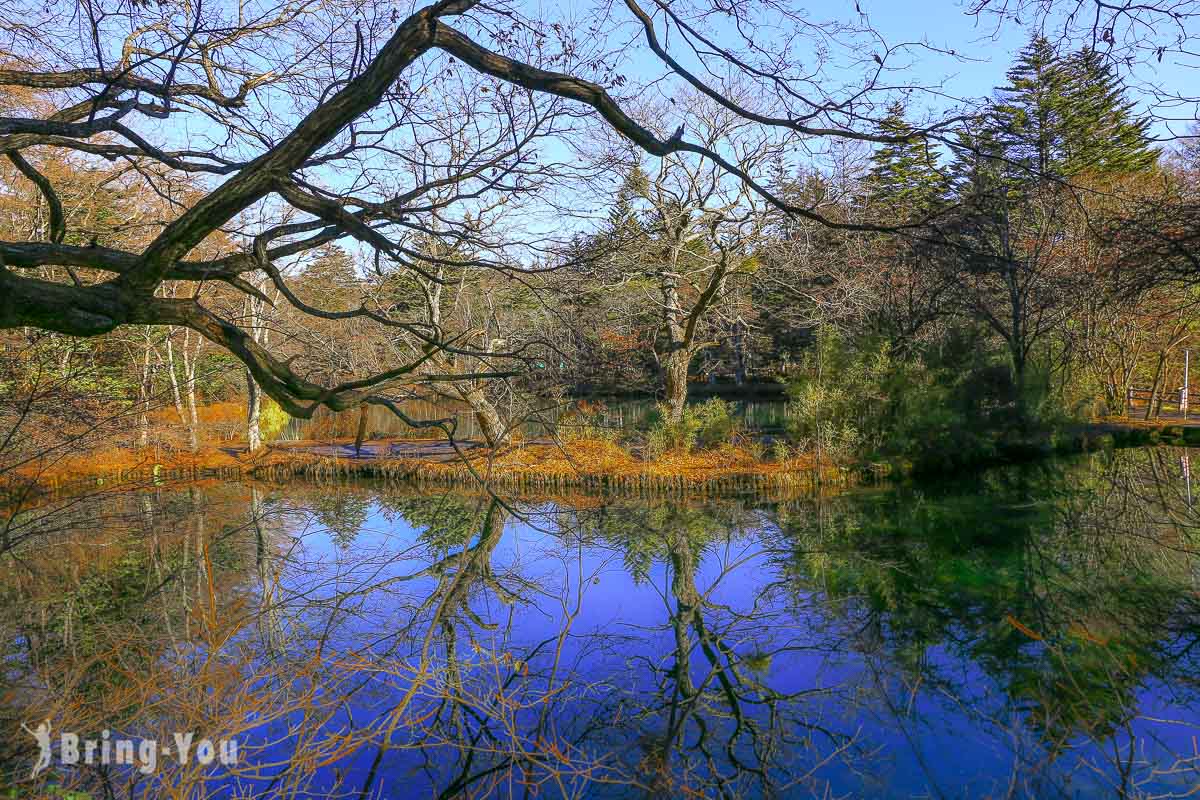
(326,112)
(692,232)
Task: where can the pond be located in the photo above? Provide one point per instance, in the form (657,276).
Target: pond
(757,415)
(1030,632)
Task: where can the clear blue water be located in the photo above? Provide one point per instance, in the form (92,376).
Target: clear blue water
(1029,632)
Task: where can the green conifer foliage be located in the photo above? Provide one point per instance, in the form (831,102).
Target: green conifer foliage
(1030,117)
(1062,116)
(904,176)
(1103,134)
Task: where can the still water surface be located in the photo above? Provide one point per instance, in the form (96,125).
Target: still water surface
(1028,632)
(623,416)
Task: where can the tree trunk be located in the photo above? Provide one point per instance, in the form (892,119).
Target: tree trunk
(679,356)
(174,379)
(253,410)
(1016,336)
(1019,384)
(494,431)
(676,383)
(193,418)
(687,606)
(1162,358)
(261,334)
(739,353)
(189,371)
(145,388)
(270,627)
(361,433)
(492,425)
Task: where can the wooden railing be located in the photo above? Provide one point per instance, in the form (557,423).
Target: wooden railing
(1183,404)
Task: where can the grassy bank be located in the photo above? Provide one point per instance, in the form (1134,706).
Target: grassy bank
(580,465)
(592,466)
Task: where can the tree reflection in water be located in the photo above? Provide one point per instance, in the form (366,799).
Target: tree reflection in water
(1023,633)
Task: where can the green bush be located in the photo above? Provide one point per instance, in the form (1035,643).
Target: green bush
(716,423)
(665,436)
(941,409)
(837,406)
(272,420)
(705,426)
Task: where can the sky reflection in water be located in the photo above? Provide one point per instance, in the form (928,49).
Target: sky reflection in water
(1028,632)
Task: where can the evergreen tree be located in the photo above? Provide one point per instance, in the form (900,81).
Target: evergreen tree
(1062,116)
(333,266)
(1030,118)
(980,175)
(1057,118)
(623,214)
(331,279)
(1103,134)
(905,175)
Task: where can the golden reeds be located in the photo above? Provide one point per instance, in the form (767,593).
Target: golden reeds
(581,467)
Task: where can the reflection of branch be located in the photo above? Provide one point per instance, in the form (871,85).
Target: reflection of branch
(732,690)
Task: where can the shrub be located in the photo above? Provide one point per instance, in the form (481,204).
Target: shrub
(716,423)
(943,409)
(706,426)
(272,420)
(666,436)
(832,442)
(838,405)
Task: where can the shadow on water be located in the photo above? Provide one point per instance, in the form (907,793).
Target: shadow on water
(1022,633)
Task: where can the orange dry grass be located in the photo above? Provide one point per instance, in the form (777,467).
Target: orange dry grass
(1137,422)
(231,411)
(116,460)
(579,463)
(597,457)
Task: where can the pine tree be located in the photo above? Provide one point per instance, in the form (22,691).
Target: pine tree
(1062,116)
(623,224)
(331,278)
(980,174)
(1030,117)
(1057,118)
(1103,134)
(905,176)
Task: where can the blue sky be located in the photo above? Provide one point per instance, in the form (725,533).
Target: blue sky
(982,55)
(986,53)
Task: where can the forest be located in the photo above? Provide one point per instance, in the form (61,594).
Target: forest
(319,308)
(921,293)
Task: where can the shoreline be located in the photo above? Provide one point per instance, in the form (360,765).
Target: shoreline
(586,466)
(1103,434)
(541,467)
